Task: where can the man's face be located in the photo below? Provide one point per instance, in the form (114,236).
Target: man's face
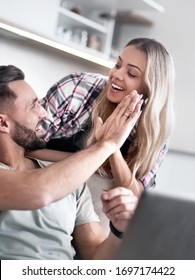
(26,117)
(27,138)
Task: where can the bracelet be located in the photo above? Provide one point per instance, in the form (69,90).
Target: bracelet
(115,231)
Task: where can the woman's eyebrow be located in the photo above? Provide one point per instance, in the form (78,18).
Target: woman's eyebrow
(135,66)
(132,65)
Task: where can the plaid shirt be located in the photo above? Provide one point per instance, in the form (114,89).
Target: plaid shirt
(69,104)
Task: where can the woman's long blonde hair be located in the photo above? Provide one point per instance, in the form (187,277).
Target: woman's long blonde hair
(156,122)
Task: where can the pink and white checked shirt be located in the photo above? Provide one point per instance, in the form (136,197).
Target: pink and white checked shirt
(69,104)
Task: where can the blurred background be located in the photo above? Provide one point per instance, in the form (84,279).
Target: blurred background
(48,39)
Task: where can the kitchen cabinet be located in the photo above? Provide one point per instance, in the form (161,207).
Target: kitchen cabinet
(37,16)
(90,25)
(84,28)
(79,27)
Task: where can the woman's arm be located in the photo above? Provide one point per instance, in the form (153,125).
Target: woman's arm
(122,174)
(120,171)
(49,155)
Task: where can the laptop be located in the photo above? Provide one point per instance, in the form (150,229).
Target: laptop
(162,228)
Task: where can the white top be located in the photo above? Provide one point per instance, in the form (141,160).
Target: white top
(45,233)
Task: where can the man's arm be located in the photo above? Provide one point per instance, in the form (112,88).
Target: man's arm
(119,205)
(34,189)
(37,188)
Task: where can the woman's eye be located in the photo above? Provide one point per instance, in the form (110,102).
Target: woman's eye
(131,74)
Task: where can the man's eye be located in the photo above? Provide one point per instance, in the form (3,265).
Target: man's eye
(117,66)
(34,105)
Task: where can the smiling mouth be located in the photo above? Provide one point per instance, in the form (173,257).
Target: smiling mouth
(116,87)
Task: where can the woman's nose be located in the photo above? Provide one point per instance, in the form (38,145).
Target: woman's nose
(119,74)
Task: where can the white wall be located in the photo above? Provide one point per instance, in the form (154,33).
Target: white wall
(42,65)
(177,174)
(174,29)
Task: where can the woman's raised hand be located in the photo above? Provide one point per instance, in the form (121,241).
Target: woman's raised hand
(120,123)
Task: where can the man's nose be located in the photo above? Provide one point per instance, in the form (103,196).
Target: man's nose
(43,113)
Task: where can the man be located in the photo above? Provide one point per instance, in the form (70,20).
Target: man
(44,207)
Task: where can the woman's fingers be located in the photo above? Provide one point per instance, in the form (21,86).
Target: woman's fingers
(128,104)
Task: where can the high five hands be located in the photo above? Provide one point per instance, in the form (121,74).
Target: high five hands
(120,123)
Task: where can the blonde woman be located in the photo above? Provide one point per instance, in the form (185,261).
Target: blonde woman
(79,101)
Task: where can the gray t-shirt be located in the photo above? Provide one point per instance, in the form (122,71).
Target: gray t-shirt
(45,233)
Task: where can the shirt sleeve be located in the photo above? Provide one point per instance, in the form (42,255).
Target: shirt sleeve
(149,180)
(85,208)
(69,103)
(57,102)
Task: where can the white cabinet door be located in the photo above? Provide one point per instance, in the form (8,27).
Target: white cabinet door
(38,16)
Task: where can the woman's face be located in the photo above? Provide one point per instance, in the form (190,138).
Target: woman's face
(127,74)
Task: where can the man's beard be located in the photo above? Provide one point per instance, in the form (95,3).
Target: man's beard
(26,138)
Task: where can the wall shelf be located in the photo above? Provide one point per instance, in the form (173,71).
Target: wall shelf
(75,27)
(56,45)
(83,20)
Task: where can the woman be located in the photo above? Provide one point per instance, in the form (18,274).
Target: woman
(74,103)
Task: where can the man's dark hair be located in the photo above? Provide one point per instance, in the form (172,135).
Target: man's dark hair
(8,74)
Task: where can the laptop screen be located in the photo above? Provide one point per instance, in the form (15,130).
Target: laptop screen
(162,228)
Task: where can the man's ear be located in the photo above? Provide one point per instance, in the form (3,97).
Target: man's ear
(4,124)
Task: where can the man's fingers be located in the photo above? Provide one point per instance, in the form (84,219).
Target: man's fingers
(118,198)
(109,195)
(98,126)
